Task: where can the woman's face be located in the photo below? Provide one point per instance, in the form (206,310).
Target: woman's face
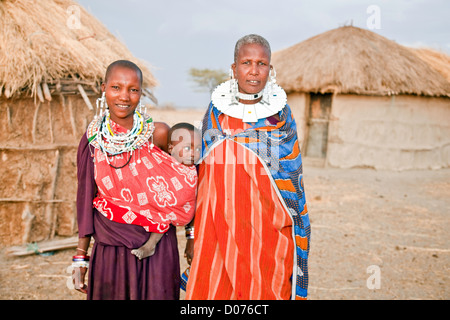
(252,68)
(123,92)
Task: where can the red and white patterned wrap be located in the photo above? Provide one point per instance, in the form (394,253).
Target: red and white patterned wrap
(154,192)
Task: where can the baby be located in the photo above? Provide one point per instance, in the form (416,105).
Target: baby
(184,144)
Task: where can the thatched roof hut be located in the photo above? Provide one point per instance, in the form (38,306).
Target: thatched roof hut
(364,100)
(53,57)
(52,46)
(357,61)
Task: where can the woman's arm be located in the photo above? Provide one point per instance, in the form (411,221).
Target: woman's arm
(189,250)
(83,246)
(79,273)
(85,194)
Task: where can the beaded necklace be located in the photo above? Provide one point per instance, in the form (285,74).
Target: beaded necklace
(102,136)
(225,98)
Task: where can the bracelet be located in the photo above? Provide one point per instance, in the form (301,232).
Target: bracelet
(80,258)
(189,233)
(82,250)
(80,264)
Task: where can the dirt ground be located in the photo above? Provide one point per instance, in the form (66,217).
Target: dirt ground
(375,235)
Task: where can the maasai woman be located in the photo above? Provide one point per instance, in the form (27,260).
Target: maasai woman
(251,223)
(129,186)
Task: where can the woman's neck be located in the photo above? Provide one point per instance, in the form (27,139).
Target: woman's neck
(246,98)
(250,101)
(126,123)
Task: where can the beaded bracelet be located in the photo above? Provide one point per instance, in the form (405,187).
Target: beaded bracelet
(80,264)
(80,261)
(189,233)
(81,257)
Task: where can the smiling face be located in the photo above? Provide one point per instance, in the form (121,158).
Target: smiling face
(251,68)
(122,92)
(185,146)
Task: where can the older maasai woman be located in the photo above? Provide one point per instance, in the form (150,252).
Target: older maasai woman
(129,186)
(251,223)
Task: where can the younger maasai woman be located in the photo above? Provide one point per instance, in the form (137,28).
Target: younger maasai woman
(125,181)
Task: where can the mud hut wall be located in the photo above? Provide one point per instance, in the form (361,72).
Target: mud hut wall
(38,147)
(394,133)
(299,102)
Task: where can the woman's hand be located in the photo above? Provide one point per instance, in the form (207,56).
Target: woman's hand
(79,273)
(189,251)
(78,276)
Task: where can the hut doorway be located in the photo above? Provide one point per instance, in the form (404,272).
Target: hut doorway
(318,119)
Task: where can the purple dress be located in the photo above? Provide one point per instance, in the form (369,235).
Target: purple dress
(114,272)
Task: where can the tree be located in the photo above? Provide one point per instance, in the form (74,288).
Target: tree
(207,79)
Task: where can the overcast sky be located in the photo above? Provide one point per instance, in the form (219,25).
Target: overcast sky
(176,35)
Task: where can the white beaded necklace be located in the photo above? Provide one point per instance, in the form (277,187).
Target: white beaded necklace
(101,135)
(226,100)
(116,143)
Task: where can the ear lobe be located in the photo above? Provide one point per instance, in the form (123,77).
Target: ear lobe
(170,148)
(233,71)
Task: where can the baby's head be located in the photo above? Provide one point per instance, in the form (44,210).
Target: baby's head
(185,143)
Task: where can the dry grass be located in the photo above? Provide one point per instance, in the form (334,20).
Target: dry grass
(354,60)
(436,59)
(41,42)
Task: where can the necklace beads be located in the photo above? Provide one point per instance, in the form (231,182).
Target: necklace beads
(103,136)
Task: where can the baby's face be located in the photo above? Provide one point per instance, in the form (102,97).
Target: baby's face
(185,146)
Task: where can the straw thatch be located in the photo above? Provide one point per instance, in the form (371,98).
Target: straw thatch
(357,61)
(51,66)
(54,45)
(436,59)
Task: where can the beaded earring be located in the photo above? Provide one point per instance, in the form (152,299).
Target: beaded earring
(142,108)
(273,76)
(271,83)
(101,106)
(233,87)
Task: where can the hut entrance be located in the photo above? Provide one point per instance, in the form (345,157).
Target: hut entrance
(319,112)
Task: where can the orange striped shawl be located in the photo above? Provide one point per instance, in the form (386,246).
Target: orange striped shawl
(244,247)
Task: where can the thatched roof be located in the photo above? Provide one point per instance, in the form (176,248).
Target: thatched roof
(44,48)
(436,59)
(353,60)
